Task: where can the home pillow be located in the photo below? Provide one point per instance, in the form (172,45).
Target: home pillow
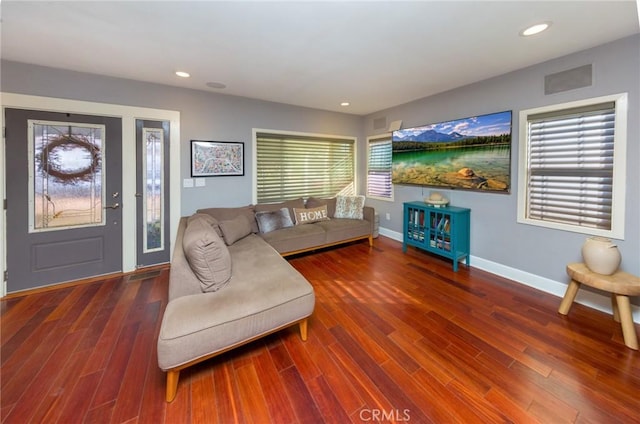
(310,215)
(235,229)
(207,255)
(314,202)
(349,207)
(273,220)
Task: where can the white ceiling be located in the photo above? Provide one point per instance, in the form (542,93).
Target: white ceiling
(315,54)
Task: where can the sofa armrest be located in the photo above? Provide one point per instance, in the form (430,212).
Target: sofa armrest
(369,214)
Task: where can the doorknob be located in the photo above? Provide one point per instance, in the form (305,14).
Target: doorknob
(114,206)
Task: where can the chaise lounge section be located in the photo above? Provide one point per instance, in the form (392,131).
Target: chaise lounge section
(230,284)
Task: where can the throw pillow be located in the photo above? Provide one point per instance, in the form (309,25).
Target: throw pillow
(208,219)
(272,207)
(349,207)
(273,220)
(226,214)
(207,255)
(310,215)
(314,202)
(235,229)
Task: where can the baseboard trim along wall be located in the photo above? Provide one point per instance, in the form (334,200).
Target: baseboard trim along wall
(585,297)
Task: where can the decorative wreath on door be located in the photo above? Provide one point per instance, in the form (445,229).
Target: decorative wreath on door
(52,166)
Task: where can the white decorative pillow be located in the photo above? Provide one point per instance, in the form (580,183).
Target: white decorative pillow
(349,207)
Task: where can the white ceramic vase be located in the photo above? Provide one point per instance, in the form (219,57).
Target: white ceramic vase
(601,255)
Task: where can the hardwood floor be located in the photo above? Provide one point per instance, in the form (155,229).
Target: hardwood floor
(394,337)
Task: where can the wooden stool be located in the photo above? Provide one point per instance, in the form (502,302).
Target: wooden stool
(620,285)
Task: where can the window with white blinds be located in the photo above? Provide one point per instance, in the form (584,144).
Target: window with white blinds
(379,168)
(293,166)
(571,171)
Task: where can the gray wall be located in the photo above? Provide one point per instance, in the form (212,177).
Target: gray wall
(495,234)
(203,115)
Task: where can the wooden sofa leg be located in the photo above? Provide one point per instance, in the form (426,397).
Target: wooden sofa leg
(172,384)
(371,240)
(303,329)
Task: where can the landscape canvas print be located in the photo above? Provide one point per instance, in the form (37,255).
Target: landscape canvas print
(472,153)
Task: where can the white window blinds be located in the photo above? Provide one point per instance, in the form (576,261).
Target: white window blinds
(289,167)
(570,166)
(379,169)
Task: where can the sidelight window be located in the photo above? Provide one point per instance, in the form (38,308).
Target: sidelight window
(153,189)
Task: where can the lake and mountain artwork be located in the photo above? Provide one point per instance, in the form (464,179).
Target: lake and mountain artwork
(472,153)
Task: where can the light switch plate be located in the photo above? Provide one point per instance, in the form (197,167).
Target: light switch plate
(187,182)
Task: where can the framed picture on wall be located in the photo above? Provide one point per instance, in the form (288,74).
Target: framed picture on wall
(216,158)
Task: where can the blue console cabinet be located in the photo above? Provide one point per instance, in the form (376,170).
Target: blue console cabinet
(440,230)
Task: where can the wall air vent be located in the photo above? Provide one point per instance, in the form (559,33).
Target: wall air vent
(571,79)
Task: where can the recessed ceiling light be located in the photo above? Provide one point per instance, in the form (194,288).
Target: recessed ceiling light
(183,74)
(218,85)
(345,104)
(535,29)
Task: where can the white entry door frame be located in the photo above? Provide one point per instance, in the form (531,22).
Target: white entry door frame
(128,115)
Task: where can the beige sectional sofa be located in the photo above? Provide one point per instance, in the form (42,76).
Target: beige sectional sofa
(303,238)
(229,283)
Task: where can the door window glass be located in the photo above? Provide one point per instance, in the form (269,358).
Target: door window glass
(153,189)
(66,163)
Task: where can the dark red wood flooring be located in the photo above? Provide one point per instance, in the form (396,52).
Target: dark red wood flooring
(394,337)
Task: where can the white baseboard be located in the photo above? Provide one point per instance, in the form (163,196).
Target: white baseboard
(584,297)
(391,234)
